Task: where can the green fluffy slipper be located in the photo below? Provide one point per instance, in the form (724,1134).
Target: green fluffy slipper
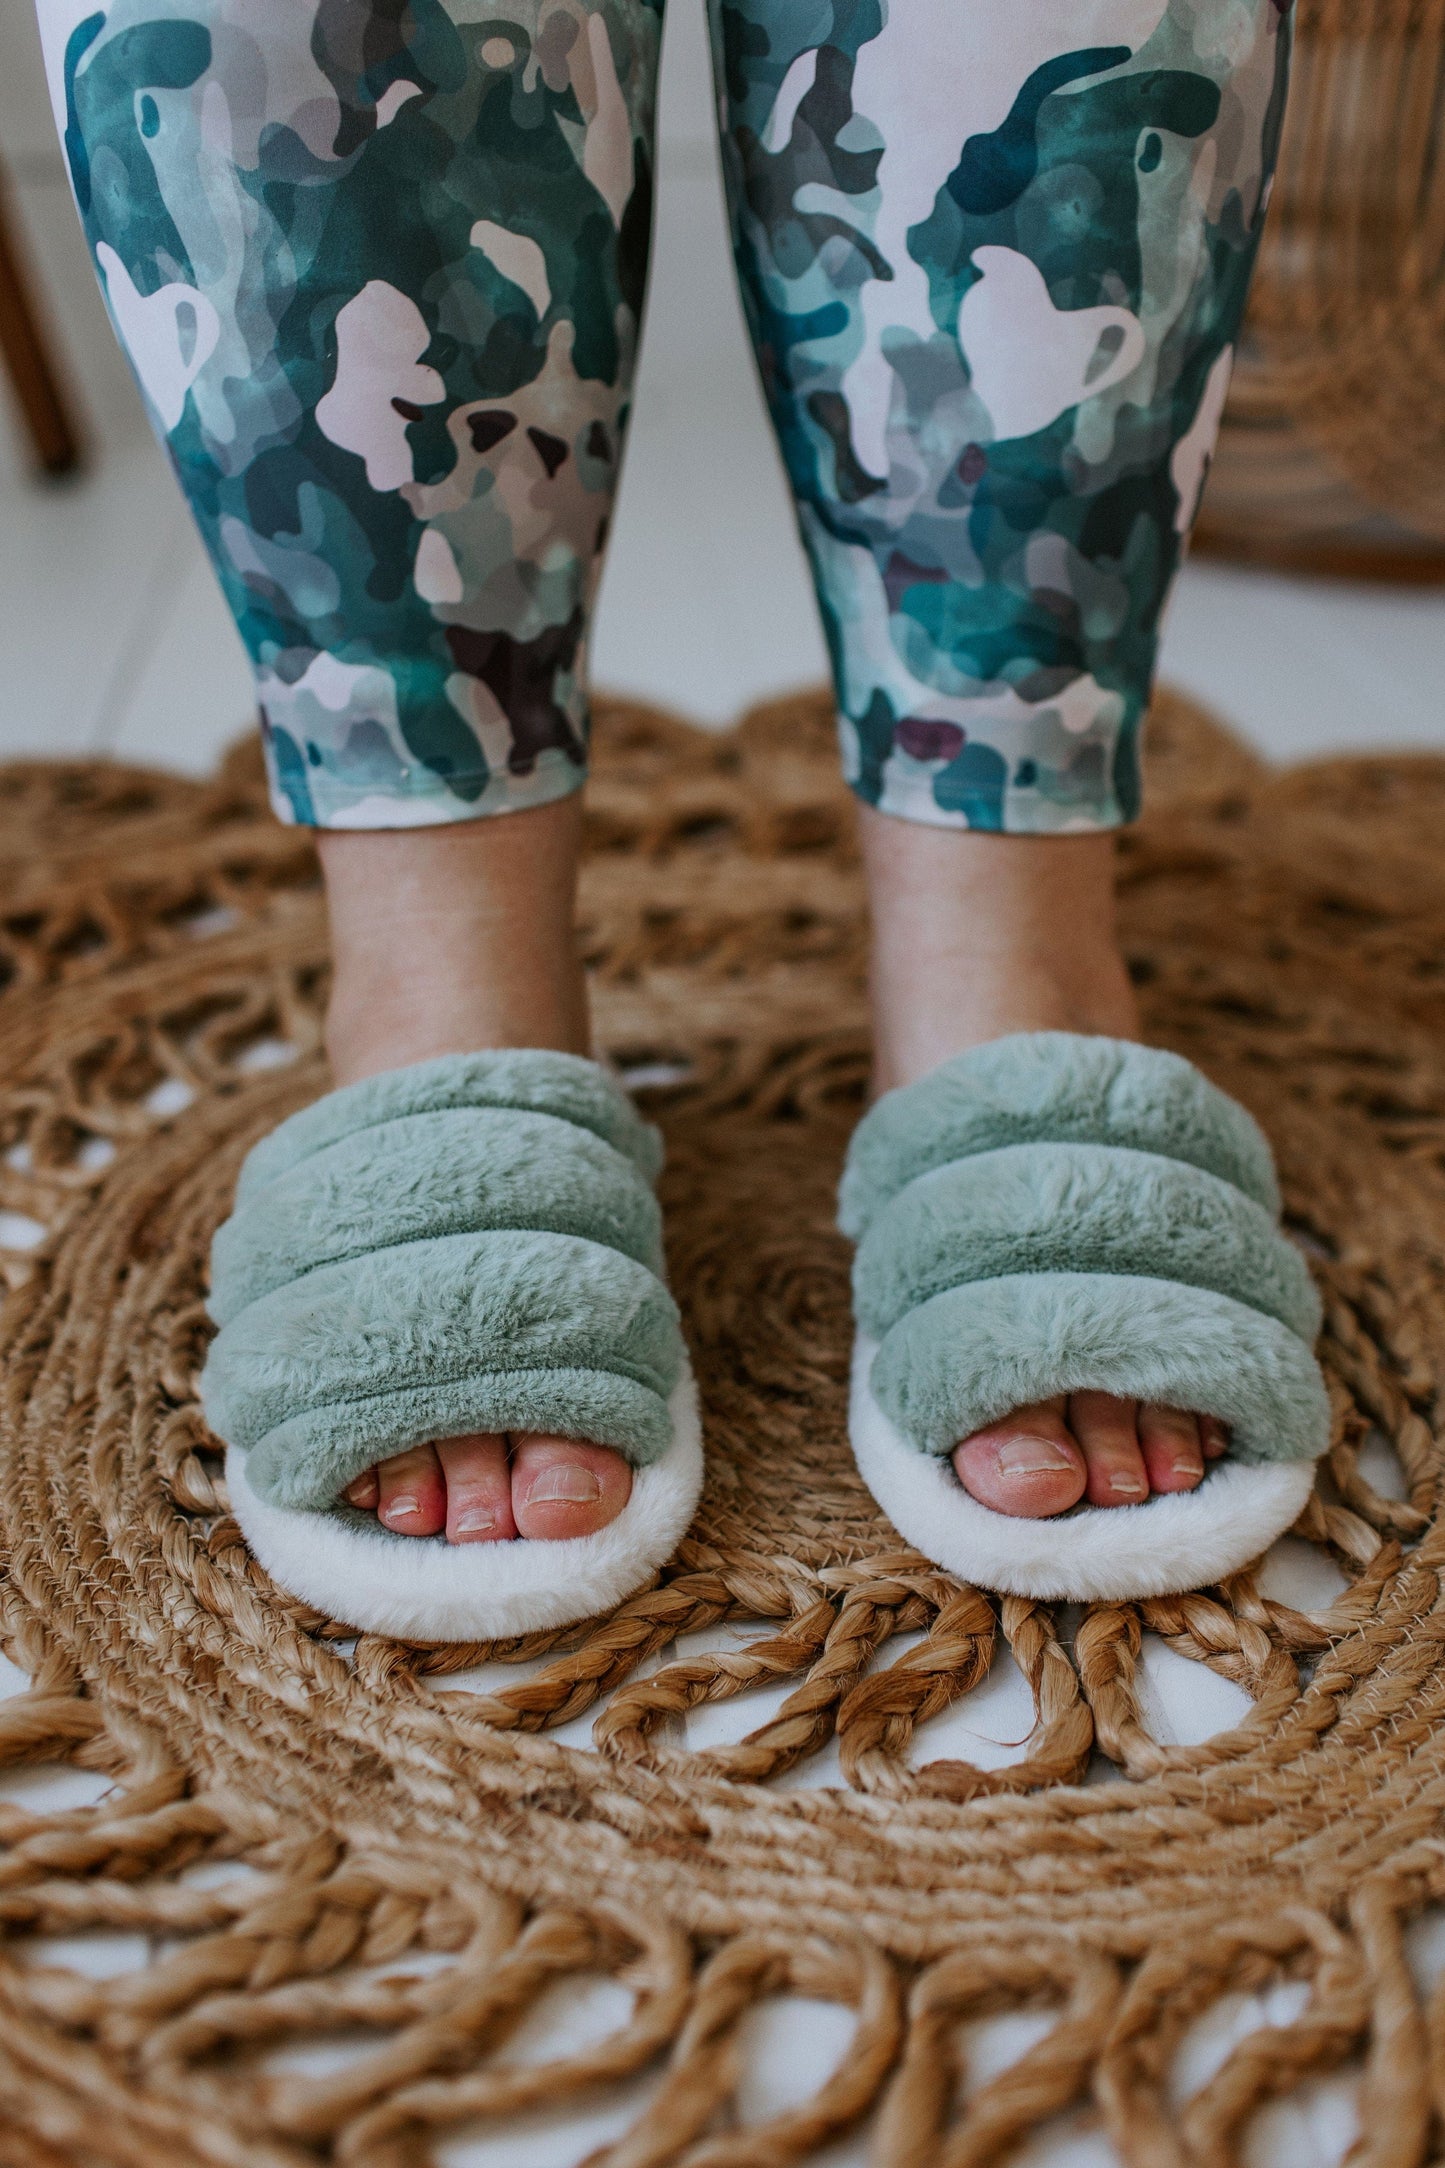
(1052,1213)
(472,1244)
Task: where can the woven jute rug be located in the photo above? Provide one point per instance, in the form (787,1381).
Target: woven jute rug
(425,1863)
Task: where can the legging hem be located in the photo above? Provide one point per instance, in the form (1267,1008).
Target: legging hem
(1020,813)
(495,794)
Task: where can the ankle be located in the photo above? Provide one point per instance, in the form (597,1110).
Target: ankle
(977,936)
(450,940)
(916,1030)
(389,1018)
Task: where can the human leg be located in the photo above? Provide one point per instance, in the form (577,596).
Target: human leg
(380,270)
(995,262)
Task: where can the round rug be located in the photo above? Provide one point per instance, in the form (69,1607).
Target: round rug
(329,1835)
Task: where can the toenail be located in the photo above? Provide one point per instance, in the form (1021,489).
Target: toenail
(1187,1467)
(401,1509)
(1128,1486)
(564,1484)
(1033,1456)
(475,1522)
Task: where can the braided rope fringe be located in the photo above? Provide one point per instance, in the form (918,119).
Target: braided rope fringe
(317,1836)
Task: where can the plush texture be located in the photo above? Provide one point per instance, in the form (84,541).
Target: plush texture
(963,1359)
(1051,1214)
(492,1331)
(356,1571)
(511,1279)
(1189,1539)
(1053,1087)
(536,1081)
(424,1175)
(1076,1208)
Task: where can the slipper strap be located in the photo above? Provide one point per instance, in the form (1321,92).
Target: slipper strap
(1076,1208)
(427,1255)
(969,1357)
(1053,1087)
(1053,1213)
(418,1176)
(533,1079)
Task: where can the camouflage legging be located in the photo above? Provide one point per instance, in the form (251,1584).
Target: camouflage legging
(379,265)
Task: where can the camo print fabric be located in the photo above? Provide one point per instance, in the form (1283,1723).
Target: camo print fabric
(995,258)
(379,265)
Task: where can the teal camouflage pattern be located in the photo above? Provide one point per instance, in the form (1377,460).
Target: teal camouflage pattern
(995,257)
(380,265)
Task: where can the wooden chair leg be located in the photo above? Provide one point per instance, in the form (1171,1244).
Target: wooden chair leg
(25,352)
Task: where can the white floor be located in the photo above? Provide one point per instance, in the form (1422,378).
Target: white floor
(112,639)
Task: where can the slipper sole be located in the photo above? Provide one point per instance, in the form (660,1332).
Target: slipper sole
(426,1589)
(1188,1539)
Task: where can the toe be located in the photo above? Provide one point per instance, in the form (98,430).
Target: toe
(479,1489)
(413,1499)
(1026,1465)
(1107,1429)
(1173,1452)
(563,1487)
(365,1492)
(1213,1436)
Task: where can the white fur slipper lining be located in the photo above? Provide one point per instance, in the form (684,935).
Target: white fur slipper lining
(1189,1539)
(425,1589)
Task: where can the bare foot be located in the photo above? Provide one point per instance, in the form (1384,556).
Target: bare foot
(1043,1459)
(446,941)
(977,936)
(490,1489)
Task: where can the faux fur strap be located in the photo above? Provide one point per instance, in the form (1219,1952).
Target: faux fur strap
(417,1176)
(1076,1208)
(535,1081)
(1053,1087)
(965,1358)
(496,1331)
(469,1245)
(1053,1213)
